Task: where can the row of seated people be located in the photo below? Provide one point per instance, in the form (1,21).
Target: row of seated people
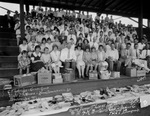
(81,56)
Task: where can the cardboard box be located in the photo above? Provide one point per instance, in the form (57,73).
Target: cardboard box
(141,73)
(93,75)
(131,72)
(104,74)
(57,78)
(44,78)
(67,77)
(24,80)
(115,74)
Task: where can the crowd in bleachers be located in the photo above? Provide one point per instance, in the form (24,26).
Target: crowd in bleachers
(55,39)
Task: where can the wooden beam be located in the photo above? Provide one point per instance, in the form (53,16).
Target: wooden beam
(84,1)
(90,3)
(136,21)
(22,19)
(125,7)
(120,5)
(140,19)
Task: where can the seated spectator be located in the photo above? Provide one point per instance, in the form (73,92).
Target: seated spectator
(31,45)
(94,59)
(46,58)
(36,62)
(112,58)
(43,44)
(79,42)
(71,36)
(94,44)
(29,35)
(56,42)
(63,45)
(101,54)
(23,46)
(49,44)
(87,59)
(79,61)
(85,44)
(68,57)
(145,55)
(141,44)
(126,55)
(23,62)
(39,37)
(55,56)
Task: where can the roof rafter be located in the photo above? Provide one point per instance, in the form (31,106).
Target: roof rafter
(84,1)
(120,5)
(90,3)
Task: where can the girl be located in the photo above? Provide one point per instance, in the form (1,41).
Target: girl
(23,46)
(55,56)
(24,62)
(85,44)
(43,44)
(46,58)
(36,59)
(80,62)
(94,58)
(49,44)
(87,59)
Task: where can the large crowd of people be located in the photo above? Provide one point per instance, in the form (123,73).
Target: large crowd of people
(55,39)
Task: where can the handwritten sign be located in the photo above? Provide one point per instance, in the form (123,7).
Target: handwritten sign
(141,78)
(25,94)
(89,110)
(124,107)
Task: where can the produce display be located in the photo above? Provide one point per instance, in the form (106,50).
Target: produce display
(63,102)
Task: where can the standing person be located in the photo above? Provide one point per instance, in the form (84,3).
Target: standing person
(112,58)
(68,57)
(36,62)
(24,62)
(17,29)
(46,58)
(80,62)
(55,56)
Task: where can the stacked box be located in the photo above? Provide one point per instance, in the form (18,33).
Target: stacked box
(93,75)
(115,74)
(24,80)
(141,73)
(67,77)
(44,78)
(57,78)
(131,72)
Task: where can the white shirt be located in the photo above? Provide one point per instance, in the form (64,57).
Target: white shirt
(94,44)
(73,37)
(145,53)
(45,58)
(135,53)
(90,38)
(23,47)
(101,56)
(113,53)
(31,46)
(141,46)
(79,55)
(65,54)
(49,46)
(55,56)
(49,36)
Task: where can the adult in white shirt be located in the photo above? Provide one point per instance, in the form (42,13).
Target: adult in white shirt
(55,56)
(136,60)
(90,36)
(101,54)
(68,57)
(112,58)
(94,44)
(80,62)
(72,36)
(49,35)
(39,37)
(31,45)
(141,45)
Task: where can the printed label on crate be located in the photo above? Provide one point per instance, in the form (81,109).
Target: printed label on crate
(89,110)
(124,107)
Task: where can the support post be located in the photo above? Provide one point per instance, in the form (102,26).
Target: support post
(22,19)
(27,7)
(141,20)
(148,23)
